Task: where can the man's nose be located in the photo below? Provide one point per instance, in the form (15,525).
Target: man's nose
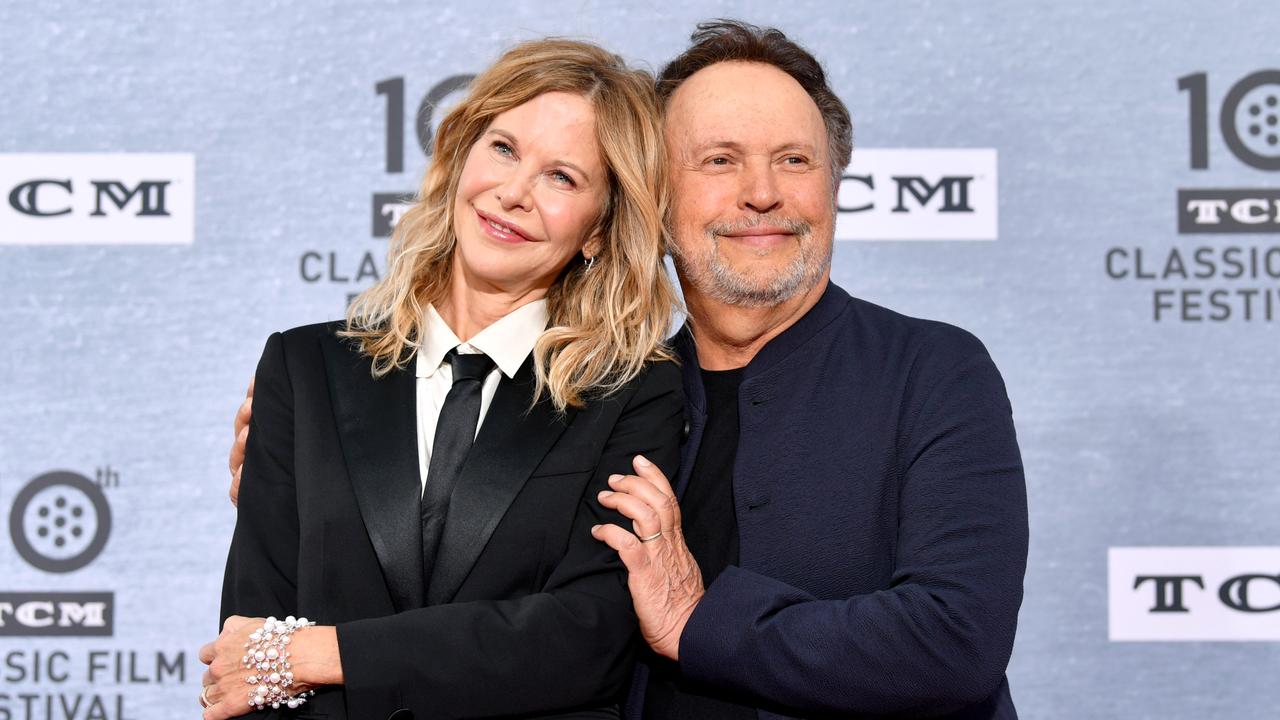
(759,188)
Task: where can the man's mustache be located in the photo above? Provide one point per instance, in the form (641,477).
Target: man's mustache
(794,226)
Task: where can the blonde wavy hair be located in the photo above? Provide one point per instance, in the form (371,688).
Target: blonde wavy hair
(606,322)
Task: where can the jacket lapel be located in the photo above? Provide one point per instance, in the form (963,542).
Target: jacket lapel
(377,427)
(513,439)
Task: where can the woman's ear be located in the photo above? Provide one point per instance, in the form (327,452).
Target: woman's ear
(593,245)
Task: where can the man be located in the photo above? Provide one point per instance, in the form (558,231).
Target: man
(850,536)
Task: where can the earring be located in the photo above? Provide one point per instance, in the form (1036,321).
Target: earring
(590,262)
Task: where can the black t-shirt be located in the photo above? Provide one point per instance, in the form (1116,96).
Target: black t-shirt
(710,526)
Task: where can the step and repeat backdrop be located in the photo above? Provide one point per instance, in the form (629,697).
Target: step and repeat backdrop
(1092,188)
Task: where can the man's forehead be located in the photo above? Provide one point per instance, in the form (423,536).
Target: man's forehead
(732,101)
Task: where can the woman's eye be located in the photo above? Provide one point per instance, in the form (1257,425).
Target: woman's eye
(503,148)
(562,177)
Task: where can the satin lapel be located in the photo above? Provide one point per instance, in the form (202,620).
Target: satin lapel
(377,426)
(513,439)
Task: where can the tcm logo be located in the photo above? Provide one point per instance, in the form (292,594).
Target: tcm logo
(56,614)
(1249,122)
(388,208)
(1234,593)
(936,194)
(150,194)
(97,199)
(1254,210)
(1194,593)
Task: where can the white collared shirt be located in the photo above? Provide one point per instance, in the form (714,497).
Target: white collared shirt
(507,342)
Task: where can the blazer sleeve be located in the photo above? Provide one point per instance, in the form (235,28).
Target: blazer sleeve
(939,637)
(261,574)
(569,646)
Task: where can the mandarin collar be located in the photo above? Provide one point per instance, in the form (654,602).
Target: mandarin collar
(830,305)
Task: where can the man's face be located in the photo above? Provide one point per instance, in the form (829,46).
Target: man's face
(753,206)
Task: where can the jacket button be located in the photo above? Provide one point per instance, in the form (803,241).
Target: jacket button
(684,434)
(401,714)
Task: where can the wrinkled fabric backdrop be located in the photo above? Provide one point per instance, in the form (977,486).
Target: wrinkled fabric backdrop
(1089,187)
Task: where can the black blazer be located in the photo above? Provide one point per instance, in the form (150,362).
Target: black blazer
(527,613)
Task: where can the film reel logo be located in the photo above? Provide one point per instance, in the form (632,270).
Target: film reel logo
(1253,129)
(1249,119)
(60,522)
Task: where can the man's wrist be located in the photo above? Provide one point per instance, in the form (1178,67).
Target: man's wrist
(671,649)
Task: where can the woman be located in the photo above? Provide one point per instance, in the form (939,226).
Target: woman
(451,570)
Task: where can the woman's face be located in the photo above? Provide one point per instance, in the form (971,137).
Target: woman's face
(531,190)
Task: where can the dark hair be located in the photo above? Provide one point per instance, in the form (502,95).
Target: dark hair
(724,40)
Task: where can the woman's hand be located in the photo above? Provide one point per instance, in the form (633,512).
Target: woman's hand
(313,660)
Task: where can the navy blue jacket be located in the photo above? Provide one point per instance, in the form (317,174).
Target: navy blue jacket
(882,519)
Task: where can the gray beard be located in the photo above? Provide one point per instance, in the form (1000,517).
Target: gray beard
(715,278)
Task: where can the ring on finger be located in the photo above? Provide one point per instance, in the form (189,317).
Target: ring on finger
(204,697)
(652,537)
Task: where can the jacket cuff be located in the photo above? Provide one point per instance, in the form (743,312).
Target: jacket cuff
(715,639)
(371,687)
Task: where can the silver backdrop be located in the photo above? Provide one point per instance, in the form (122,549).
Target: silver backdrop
(1146,410)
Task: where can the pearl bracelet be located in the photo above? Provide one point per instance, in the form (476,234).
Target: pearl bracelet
(267,660)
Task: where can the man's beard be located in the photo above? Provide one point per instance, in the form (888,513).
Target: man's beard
(712,275)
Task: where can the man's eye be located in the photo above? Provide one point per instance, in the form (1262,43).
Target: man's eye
(795,160)
(719,160)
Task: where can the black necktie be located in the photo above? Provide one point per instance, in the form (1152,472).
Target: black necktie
(455,432)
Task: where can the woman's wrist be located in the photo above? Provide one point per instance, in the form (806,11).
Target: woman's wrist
(313,654)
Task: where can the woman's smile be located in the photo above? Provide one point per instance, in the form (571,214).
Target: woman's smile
(502,230)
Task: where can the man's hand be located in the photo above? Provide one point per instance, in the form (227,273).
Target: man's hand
(236,461)
(664,578)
